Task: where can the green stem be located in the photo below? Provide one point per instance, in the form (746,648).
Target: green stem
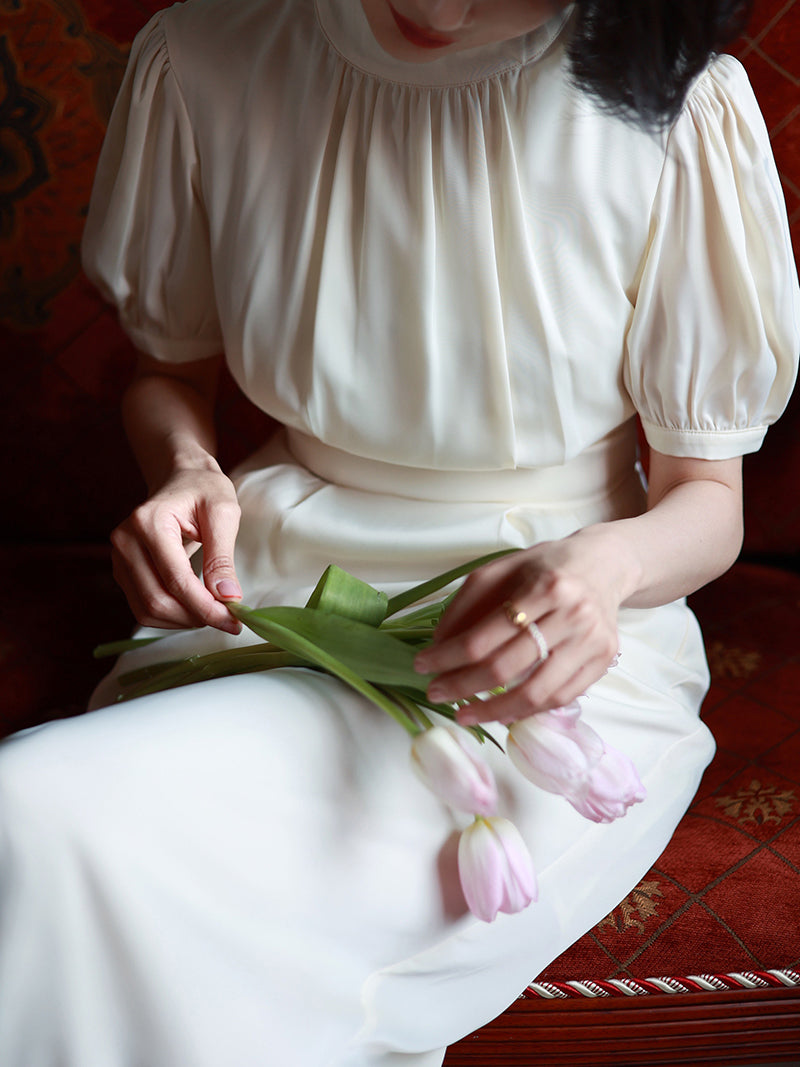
(223,656)
(128,644)
(426,722)
(410,708)
(202,668)
(433,585)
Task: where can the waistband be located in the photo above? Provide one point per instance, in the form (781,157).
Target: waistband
(596,472)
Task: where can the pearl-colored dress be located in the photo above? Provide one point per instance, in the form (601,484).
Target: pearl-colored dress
(455,284)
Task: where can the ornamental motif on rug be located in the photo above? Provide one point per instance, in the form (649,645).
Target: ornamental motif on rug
(634,911)
(734,664)
(758,803)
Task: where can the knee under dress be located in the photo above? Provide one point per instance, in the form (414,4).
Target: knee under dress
(455,284)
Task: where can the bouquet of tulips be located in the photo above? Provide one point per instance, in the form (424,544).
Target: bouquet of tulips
(358,634)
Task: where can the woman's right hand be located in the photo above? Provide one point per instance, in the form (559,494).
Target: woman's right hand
(151,552)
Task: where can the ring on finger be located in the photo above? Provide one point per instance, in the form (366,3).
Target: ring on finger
(516,616)
(519,618)
(539,640)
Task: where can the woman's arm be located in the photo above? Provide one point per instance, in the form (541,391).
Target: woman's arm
(573,588)
(168,413)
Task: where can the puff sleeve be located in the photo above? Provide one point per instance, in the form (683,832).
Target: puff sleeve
(146,242)
(714,337)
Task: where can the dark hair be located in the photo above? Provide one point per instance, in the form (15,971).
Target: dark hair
(639,57)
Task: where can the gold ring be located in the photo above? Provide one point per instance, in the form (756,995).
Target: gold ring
(515,616)
(520,619)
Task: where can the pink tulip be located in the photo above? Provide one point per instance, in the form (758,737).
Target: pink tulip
(613,787)
(495,868)
(555,749)
(561,754)
(446,761)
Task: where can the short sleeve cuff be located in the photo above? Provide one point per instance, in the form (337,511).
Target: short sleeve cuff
(169,350)
(704,444)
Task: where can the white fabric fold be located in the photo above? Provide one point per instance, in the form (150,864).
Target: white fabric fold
(718,302)
(362,247)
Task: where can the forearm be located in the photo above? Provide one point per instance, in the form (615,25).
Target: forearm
(690,534)
(169,419)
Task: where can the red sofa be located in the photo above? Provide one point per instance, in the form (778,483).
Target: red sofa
(701,963)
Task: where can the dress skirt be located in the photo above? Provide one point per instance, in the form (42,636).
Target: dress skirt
(246,871)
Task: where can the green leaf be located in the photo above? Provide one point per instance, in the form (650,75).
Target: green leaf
(426,617)
(374,654)
(274,625)
(340,593)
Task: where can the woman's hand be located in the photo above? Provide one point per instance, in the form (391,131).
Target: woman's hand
(570,589)
(152,548)
(168,411)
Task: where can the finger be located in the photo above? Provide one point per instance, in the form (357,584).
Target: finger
(484,623)
(549,686)
(136,574)
(220,524)
(482,590)
(473,644)
(505,662)
(180,583)
(487,634)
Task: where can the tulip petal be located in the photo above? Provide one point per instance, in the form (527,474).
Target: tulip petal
(480,872)
(554,751)
(495,868)
(447,761)
(613,786)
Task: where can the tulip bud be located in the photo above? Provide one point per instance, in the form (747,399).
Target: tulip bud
(444,760)
(554,749)
(495,868)
(613,787)
(561,754)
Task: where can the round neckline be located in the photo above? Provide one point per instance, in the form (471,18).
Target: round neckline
(346,27)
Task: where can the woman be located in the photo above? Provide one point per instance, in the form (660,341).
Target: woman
(454,248)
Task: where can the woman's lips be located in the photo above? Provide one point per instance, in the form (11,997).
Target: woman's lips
(416,35)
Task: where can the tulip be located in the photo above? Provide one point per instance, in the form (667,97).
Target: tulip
(561,754)
(555,749)
(495,868)
(613,787)
(445,761)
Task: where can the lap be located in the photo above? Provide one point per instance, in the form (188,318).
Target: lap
(266,835)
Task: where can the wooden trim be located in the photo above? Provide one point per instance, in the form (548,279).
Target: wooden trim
(723,1028)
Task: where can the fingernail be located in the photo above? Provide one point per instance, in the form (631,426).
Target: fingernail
(437,693)
(229,589)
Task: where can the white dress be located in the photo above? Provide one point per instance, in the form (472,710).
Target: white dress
(455,284)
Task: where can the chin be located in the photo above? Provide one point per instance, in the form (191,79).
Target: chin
(395,43)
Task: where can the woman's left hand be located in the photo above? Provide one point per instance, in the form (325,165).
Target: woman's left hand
(570,590)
